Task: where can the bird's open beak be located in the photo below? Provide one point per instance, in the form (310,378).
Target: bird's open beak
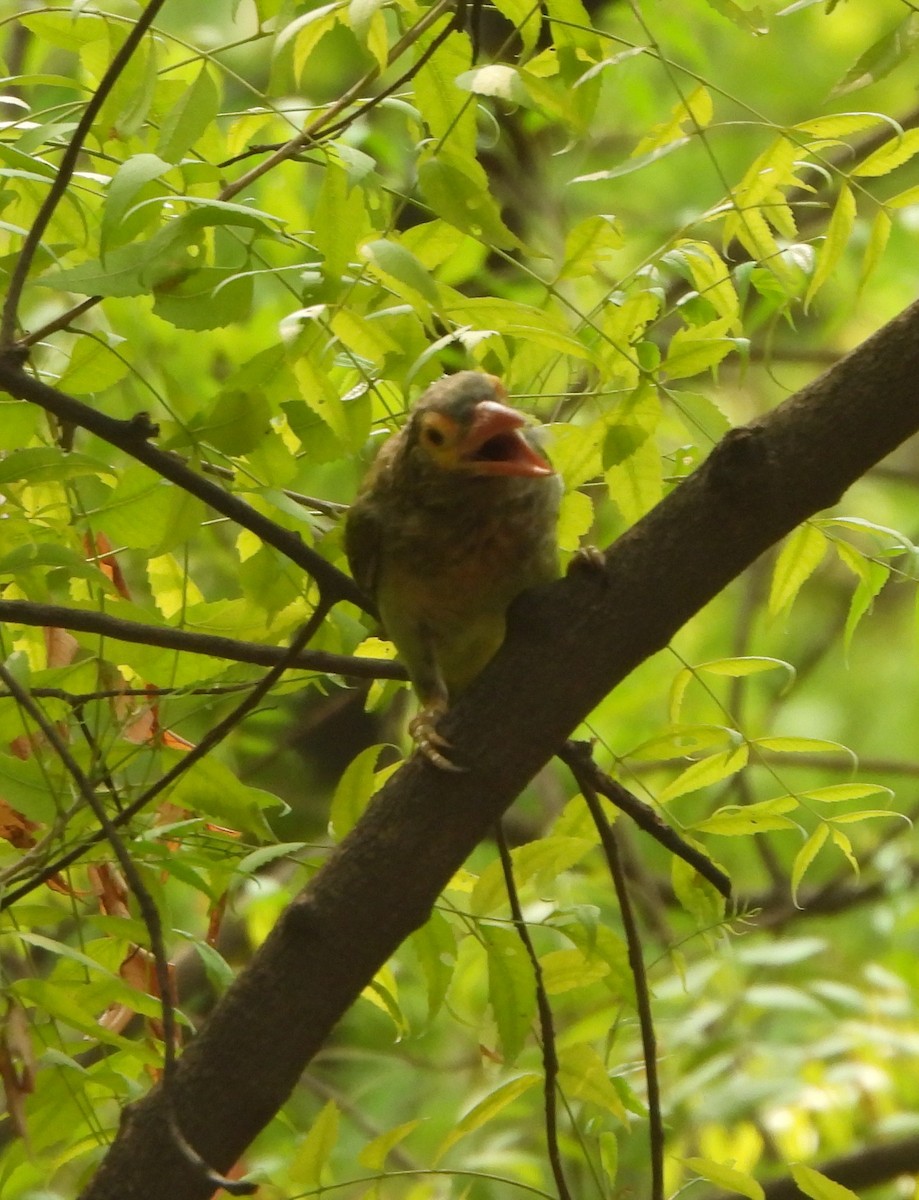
(495,444)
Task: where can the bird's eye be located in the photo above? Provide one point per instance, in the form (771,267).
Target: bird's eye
(434,436)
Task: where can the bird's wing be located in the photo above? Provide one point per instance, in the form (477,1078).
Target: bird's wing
(363,538)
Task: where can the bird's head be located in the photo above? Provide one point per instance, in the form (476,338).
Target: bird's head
(461,423)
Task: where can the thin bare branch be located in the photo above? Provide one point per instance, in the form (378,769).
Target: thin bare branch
(578,757)
(546,1022)
(640,978)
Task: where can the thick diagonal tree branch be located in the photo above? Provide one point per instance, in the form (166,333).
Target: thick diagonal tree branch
(568,645)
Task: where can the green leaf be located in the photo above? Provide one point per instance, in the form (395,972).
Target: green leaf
(374,1154)
(876,245)
(817,1186)
(698,348)
(187,120)
(590,244)
(584,1076)
(750,664)
(352,794)
(127,181)
(798,559)
(689,115)
(806,856)
(435,945)
(487,1108)
(566,970)
(210,788)
(729,1178)
(399,269)
(736,820)
(838,793)
(838,232)
(511,989)
(838,125)
(705,773)
(314,1151)
(881,57)
(46,464)
(461,197)
(495,79)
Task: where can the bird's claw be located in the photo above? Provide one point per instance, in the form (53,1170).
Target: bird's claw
(588,559)
(428,742)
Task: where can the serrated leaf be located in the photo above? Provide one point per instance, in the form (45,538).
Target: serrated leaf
(511,989)
(881,57)
(842,842)
(589,244)
(127,181)
(697,348)
(739,820)
(400,269)
(689,115)
(435,945)
(838,125)
(838,232)
(565,970)
(584,1076)
(706,772)
(798,559)
(187,120)
(876,244)
(806,856)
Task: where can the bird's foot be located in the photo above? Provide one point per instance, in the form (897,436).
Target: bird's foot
(428,742)
(589,559)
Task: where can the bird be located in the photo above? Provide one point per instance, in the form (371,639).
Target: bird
(455,518)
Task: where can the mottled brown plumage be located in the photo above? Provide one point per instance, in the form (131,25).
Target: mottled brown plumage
(456,517)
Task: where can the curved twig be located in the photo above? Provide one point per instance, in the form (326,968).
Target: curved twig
(66,169)
(578,757)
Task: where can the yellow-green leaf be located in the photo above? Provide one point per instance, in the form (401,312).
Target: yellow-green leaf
(806,856)
(728,1178)
(838,231)
(837,793)
(374,1154)
(798,559)
(876,244)
(817,1186)
(705,773)
(487,1108)
(891,155)
(314,1151)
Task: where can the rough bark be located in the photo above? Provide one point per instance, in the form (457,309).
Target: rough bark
(571,643)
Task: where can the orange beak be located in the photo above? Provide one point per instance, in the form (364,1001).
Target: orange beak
(495,444)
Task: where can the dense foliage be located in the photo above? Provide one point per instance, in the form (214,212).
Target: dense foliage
(258,238)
